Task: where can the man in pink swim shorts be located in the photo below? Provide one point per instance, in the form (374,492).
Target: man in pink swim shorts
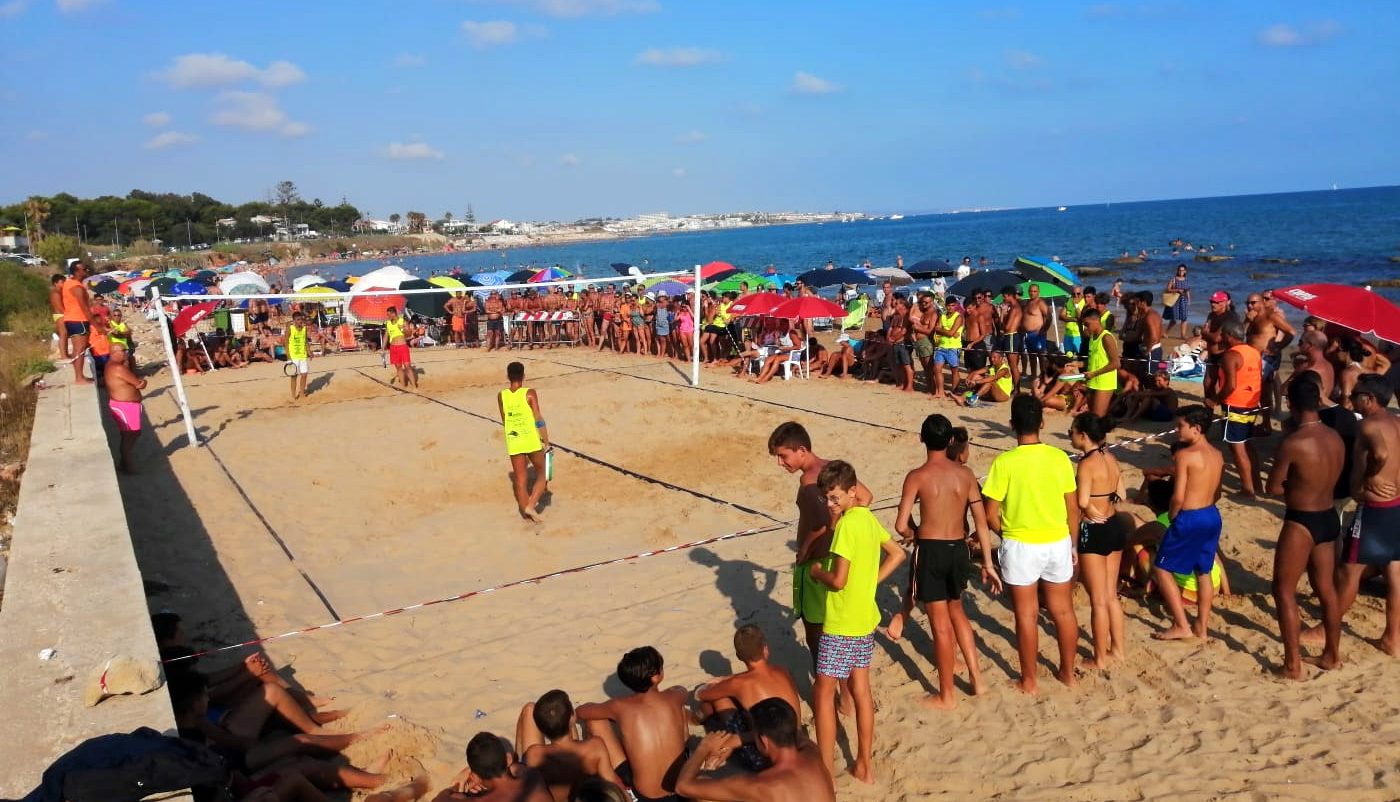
(124,402)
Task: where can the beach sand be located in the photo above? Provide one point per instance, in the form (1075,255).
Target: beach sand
(382,499)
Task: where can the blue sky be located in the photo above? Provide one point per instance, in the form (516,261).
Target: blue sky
(539,109)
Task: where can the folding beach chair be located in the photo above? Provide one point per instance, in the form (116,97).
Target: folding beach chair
(345,338)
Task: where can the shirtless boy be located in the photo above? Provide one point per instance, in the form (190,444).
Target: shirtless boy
(725,700)
(1012,339)
(795,772)
(545,740)
(493,775)
(1309,461)
(1374,537)
(792,445)
(944,490)
(1035,318)
(124,402)
(1190,542)
(652,725)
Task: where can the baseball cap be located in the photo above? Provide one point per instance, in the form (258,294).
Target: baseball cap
(1220,297)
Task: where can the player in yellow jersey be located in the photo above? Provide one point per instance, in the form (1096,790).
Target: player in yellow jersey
(527,439)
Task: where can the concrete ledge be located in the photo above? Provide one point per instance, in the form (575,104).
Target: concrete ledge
(72,586)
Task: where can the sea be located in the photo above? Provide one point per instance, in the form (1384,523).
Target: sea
(1344,236)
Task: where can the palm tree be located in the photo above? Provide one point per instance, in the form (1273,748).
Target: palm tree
(394,218)
(447,216)
(36,211)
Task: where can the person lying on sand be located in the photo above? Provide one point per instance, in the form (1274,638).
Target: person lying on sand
(651,723)
(545,739)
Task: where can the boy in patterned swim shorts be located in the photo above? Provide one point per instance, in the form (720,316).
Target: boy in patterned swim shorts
(847,639)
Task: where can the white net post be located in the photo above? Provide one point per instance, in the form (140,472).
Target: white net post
(696,325)
(174,366)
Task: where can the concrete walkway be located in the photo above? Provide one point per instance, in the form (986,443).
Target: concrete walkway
(73,586)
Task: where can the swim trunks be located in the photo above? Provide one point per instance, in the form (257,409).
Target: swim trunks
(398,355)
(736,721)
(1103,539)
(1036,343)
(459,323)
(1025,563)
(941,570)
(1009,343)
(127,414)
(923,347)
(902,357)
(1374,537)
(1071,343)
(75,328)
(495,324)
(303,366)
(946,356)
(1325,526)
(839,655)
(808,596)
(1190,543)
(624,773)
(1269,364)
(1239,424)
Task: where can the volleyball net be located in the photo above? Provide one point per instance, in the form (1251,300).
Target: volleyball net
(353,320)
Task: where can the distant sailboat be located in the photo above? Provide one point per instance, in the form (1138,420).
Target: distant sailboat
(901,217)
(1061,209)
(1334,187)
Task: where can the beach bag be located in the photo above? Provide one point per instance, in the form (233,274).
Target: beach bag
(1170,297)
(128,767)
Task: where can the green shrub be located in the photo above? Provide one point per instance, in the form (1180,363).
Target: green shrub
(57,249)
(21,290)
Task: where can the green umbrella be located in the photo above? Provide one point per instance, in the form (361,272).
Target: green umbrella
(1048,291)
(731,284)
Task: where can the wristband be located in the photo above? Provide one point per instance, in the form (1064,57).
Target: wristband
(539,424)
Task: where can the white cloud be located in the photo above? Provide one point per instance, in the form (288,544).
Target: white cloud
(678,172)
(1024,60)
(71,6)
(156,119)
(12,9)
(170,139)
(409,60)
(569,160)
(216,69)
(692,137)
(254,111)
(491,33)
(408,151)
(587,8)
(805,83)
(1315,33)
(678,56)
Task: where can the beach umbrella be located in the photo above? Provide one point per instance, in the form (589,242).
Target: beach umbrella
(245,283)
(490,279)
(105,286)
(385,278)
(893,275)
(1041,269)
(731,283)
(338,286)
(806,308)
(191,315)
(757,303)
(1048,291)
(448,282)
(189,288)
(1353,308)
(175,273)
(624,269)
(714,271)
(550,274)
(431,304)
(309,280)
(828,278)
(207,277)
(317,293)
(985,281)
(133,286)
(670,287)
(931,268)
(164,283)
(373,308)
(519,276)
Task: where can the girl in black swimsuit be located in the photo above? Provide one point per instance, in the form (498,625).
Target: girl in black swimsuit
(1102,534)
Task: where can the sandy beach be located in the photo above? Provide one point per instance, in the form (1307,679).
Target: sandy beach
(362,498)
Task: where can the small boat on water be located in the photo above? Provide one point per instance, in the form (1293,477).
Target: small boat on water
(1062,208)
(896,217)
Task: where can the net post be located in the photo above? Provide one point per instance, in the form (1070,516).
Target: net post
(164,326)
(695,324)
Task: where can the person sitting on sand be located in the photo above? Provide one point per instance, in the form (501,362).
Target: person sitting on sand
(1189,545)
(1143,543)
(725,701)
(992,383)
(1060,395)
(494,775)
(1156,403)
(795,770)
(527,440)
(651,724)
(545,739)
(945,491)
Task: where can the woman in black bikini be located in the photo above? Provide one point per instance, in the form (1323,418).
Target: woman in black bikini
(1102,534)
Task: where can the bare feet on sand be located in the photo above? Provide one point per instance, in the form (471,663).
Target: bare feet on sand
(1174,633)
(896,628)
(1324,662)
(1392,649)
(380,763)
(1066,675)
(1027,686)
(327,716)
(1312,636)
(935,701)
(373,731)
(533,515)
(861,771)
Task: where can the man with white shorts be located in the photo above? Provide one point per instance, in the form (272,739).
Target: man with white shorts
(298,354)
(1030,499)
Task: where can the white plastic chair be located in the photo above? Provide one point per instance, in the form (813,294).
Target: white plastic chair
(796,360)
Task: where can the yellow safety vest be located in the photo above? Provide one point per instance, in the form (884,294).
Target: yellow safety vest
(522,436)
(1072,325)
(722,314)
(296,342)
(953,340)
(1098,359)
(119,334)
(393,330)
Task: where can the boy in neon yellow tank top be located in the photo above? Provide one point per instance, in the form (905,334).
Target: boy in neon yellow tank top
(527,439)
(298,354)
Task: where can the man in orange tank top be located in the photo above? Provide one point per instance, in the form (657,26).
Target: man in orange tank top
(77,318)
(1240,391)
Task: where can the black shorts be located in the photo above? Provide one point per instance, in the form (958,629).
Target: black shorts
(75,328)
(495,324)
(713,329)
(1325,526)
(1103,539)
(1009,343)
(941,570)
(257,317)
